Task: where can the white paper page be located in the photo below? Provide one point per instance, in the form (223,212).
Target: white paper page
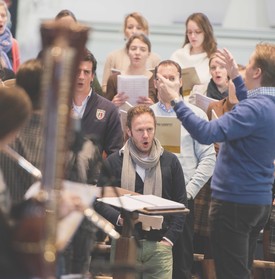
(124,202)
(133,86)
(155,202)
(138,202)
(203,101)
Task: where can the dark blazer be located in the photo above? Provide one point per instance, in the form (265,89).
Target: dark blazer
(173,188)
(101,123)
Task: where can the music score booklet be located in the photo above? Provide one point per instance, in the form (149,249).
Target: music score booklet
(148,203)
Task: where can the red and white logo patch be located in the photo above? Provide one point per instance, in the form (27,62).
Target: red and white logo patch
(100,113)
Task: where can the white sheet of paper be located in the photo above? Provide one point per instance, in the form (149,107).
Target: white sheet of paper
(133,86)
(203,101)
(139,202)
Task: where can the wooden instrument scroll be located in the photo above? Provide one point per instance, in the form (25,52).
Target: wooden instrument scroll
(35,236)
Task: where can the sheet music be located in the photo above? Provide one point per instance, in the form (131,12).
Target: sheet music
(189,78)
(168,132)
(133,86)
(139,202)
(202,101)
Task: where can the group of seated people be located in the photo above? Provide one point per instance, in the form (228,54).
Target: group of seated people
(102,155)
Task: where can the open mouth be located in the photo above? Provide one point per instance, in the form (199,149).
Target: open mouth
(145,144)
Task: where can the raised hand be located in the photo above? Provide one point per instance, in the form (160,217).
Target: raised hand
(227,60)
(167,89)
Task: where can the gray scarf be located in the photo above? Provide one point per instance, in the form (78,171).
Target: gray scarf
(153,178)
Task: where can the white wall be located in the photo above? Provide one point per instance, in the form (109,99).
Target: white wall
(238,25)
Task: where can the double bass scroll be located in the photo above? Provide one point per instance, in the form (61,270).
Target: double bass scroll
(63,47)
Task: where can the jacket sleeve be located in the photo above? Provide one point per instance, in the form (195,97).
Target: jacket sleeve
(114,135)
(178,194)
(15,55)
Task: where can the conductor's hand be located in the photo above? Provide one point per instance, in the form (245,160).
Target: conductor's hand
(227,60)
(168,90)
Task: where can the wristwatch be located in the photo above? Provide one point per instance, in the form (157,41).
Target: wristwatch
(174,102)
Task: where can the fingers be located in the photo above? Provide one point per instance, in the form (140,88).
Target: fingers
(145,101)
(119,99)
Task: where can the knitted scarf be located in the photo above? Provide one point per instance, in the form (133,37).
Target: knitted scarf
(214,93)
(5,47)
(153,177)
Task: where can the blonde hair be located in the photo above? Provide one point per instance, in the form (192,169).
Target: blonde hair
(140,20)
(4,4)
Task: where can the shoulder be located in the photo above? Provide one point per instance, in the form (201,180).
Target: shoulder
(154,107)
(169,158)
(116,53)
(113,77)
(101,103)
(154,58)
(198,111)
(114,158)
(177,53)
(14,42)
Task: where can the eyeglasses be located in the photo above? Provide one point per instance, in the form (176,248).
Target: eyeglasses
(196,32)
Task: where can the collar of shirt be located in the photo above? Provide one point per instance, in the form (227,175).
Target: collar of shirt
(270,91)
(163,107)
(79,110)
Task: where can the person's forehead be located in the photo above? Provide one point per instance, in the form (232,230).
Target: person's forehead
(141,118)
(132,21)
(168,68)
(85,65)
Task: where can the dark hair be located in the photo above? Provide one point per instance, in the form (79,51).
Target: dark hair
(136,111)
(142,37)
(140,20)
(64,13)
(29,78)
(264,58)
(15,109)
(88,56)
(209,44)
(167,63)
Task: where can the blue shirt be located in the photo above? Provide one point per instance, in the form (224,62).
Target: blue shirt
(244,167)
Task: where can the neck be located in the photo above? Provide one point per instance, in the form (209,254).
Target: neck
(167,105)
(222,88)
(131,70)
(197,50)
(79,98)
